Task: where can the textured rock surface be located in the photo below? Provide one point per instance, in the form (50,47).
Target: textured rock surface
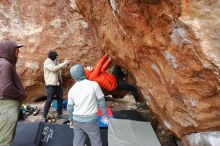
(202,139)
(41,26)
(203,18)
(168,46)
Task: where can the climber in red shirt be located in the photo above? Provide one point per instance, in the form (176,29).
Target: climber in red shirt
(114,81)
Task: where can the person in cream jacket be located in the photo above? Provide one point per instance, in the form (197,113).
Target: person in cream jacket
(53,82)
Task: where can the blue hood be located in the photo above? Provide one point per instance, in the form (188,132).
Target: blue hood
(77,72)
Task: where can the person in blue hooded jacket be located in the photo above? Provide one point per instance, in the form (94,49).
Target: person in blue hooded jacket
(84,97)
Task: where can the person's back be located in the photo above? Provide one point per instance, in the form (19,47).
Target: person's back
(83,99)
(84,93)
(3,73)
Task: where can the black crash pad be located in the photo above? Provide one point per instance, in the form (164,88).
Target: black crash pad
(62,135)
(46,134)
(128,114)
(28,134)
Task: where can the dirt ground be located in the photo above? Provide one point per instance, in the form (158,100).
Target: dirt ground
(127,103)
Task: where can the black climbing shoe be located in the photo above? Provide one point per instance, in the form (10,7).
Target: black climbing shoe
(35,111)
(61,117)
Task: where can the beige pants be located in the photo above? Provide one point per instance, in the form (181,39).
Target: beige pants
(9,112)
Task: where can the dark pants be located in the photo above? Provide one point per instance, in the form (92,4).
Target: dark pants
(124,85)
(51,92)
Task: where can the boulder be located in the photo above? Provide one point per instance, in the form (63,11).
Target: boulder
(171,47)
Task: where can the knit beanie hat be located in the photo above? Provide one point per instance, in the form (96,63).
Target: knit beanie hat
(52,55)
(77,72)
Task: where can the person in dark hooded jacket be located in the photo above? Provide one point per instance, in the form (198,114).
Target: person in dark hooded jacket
(11,91)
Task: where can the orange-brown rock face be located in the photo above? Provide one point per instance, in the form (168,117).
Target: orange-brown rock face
(171,47)
(42,26)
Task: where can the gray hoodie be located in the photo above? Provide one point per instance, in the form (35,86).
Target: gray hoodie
(77,72)
(10,85)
